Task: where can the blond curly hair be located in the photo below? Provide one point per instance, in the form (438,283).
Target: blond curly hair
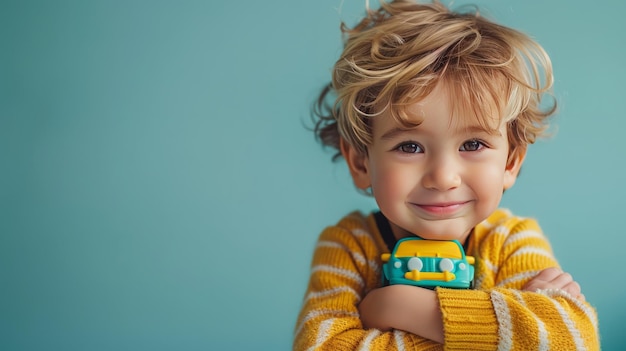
(398,53)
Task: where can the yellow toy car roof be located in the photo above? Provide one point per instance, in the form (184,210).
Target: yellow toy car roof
(428,248)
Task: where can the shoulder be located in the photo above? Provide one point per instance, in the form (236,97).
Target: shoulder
(356,232)
(504,223)
(350,248)
(354,220)
(354,224)
(505,232)
(510,249)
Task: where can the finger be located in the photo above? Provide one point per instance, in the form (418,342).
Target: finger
(549,274)
(535,285)
(561,281)
(542,279)
(573,288)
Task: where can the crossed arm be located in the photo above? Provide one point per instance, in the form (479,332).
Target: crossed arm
(395,306)
(346,309)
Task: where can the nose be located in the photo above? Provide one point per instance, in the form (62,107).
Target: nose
(442,173)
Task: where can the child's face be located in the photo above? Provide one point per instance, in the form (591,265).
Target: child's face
(439,179)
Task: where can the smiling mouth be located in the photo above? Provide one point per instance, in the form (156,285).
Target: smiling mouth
(441,208)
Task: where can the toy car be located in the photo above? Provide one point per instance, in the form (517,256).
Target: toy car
(428,264)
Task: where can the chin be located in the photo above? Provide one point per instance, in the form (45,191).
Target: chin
(435,230)
(441,237)
(446,234)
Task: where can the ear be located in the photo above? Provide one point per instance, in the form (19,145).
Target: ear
(357,163)
(514,165)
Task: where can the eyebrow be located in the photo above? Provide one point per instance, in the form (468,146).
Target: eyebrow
(479,129)
(396,131)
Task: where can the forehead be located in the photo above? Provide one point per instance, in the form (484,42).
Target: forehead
(442,107)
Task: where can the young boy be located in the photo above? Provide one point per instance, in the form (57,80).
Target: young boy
(434,111)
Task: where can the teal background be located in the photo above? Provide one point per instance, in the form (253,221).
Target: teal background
(159,189)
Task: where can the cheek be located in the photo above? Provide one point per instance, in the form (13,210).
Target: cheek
(392,183)
(489,181)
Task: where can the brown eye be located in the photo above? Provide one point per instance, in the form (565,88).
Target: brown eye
(410,148)
(472,145)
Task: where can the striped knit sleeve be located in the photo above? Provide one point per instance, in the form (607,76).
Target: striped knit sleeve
(504,317)
(345,267)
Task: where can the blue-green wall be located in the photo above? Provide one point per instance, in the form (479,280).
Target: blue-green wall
(158,189)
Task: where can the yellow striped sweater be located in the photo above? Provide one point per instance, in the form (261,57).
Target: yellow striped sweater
(495,315)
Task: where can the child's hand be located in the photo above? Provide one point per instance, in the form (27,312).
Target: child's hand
(404,307)
(375,308)
(554,278)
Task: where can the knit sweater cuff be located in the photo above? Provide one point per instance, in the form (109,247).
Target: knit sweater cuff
(469,320)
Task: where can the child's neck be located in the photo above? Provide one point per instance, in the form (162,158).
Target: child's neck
(400,233)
